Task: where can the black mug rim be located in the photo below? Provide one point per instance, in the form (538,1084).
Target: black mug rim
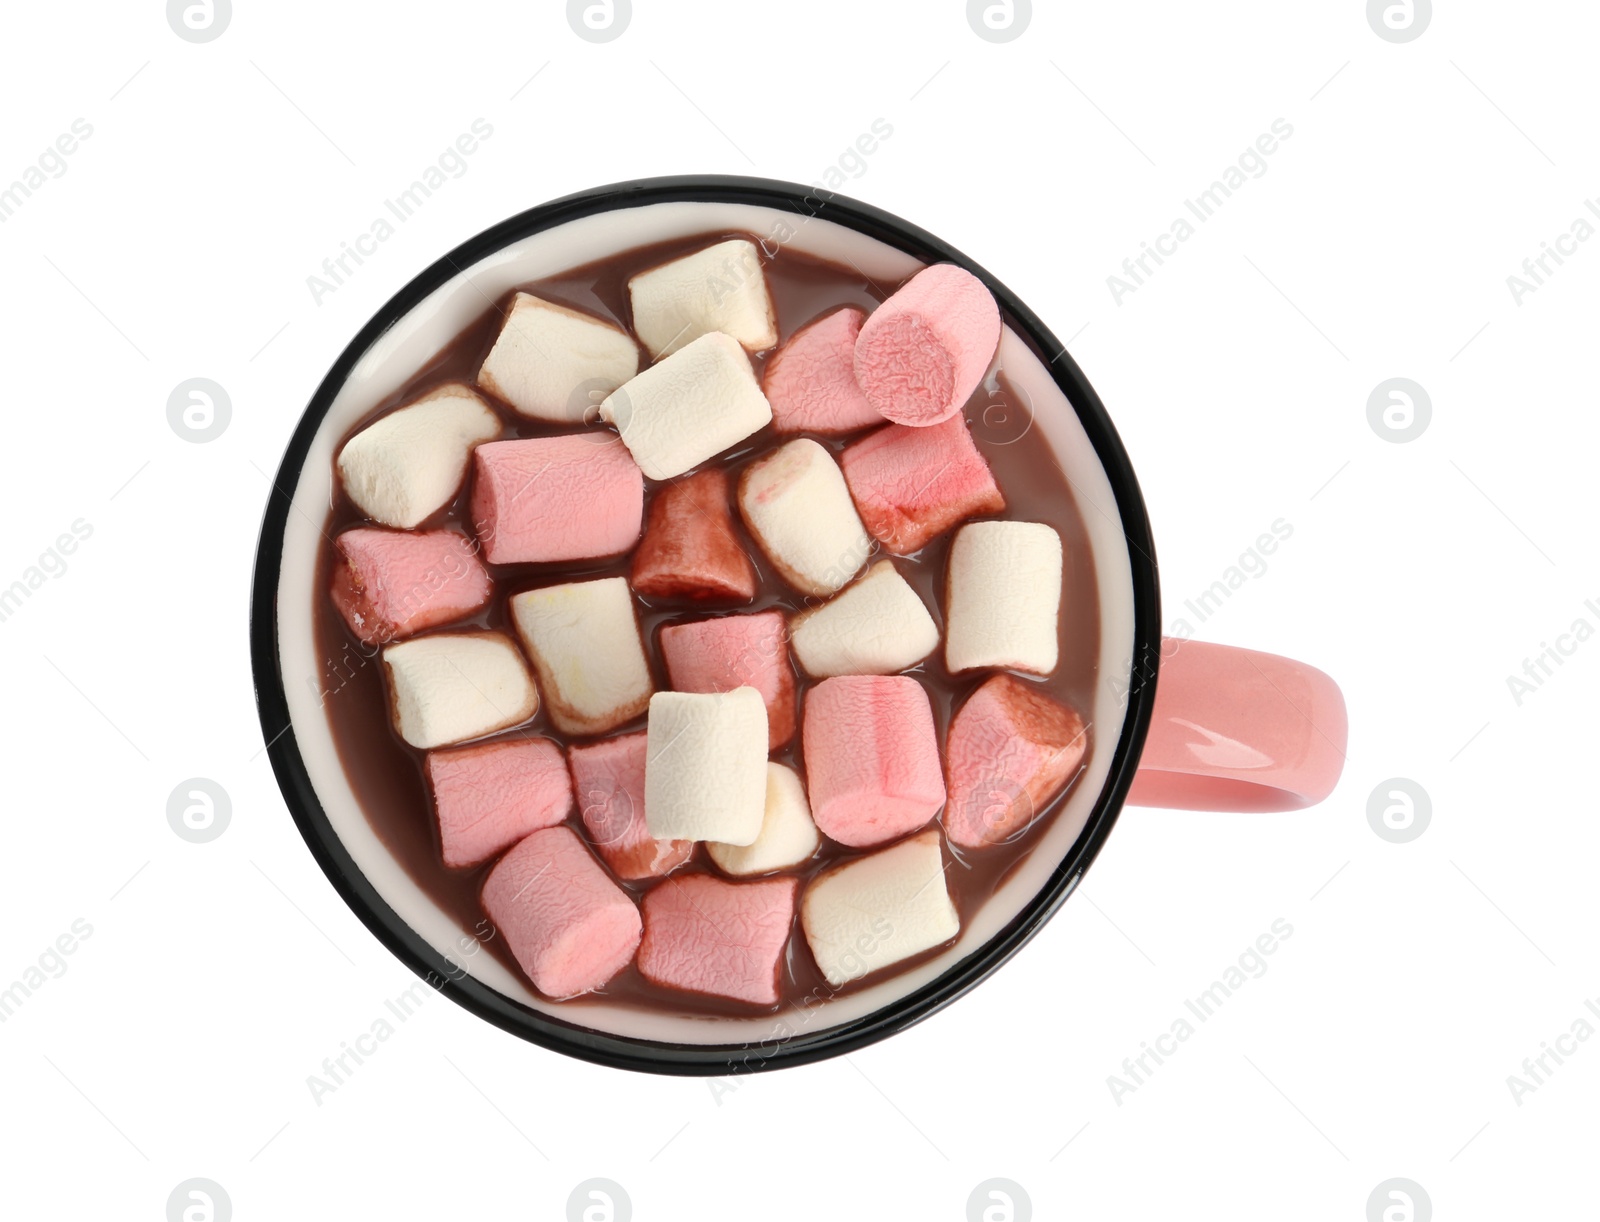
(641,1054)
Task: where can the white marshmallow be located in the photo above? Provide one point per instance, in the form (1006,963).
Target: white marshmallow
(689,407)
(797,505)
(877,626)
(879,909)
(454,686)
(705,766)
(721,288)
(1004,597)
(410,463)
(788,836)
(552,363)
(585,644)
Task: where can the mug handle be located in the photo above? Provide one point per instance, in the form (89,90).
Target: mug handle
(1238,730)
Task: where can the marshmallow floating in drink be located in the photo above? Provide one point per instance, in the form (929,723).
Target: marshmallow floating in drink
(690,406)
(913,484)
(811,380)
(922,353)
(705,773)
(796,504)
(691,548)
(608,779)
(569,926)
(872,758)
(449,687)
(488,797)
(1011,750)
(553,363)
(391,583)
(704,935)
(721,288)
(788,836)
(876,910)
(1004,602)
(584,640)
(876,626)
(409,464)
(577,497)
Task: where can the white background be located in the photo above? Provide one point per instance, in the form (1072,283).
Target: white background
(1419,176)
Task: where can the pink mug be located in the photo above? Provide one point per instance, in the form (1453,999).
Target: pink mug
(1234,729)
(1179,723)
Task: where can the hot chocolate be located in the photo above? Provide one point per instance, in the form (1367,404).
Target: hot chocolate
(623,498)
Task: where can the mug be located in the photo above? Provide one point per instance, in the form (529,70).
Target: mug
(1178,722)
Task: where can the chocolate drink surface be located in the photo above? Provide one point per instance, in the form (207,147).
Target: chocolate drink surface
(387,774)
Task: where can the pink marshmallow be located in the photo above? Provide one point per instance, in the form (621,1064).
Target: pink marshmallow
(872,758)
(811,380)
(924,351)
(704,935)
(568,925)
(1011,750)
(608,777)
(718,655)
(911,484)
(573,497)
(390,583)
(690,549)
(488,797)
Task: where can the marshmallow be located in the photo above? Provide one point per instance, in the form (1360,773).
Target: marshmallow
(923,352)
(689,549)
(570,928)
(705,777)
(390,583)
(704,935)
(450,687)
(407,465)
(863,916)
(875,627)
(1011,750)
(788,836)
(872,758)
(797,506)
(555,364)
(1004,600)
(811,380)
(911,484)
(585,645)
(718,655)
(691,406)
(488,797)
(721,288)
(608,777)
(575,497)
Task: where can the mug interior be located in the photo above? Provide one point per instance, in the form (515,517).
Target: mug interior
(427,316)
